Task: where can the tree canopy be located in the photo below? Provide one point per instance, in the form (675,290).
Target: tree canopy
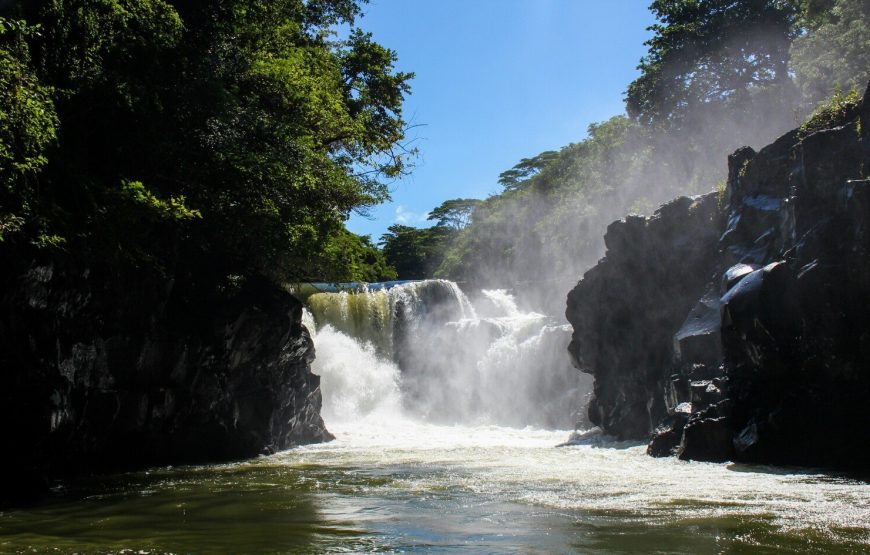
(240,132)
(708,51)
(834,49)
(415,253)
(454,213)
(525,169)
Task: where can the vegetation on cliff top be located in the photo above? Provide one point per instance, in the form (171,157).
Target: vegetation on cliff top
(231,138)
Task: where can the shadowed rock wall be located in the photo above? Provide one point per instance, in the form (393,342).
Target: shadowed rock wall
(106,371)
(763,352)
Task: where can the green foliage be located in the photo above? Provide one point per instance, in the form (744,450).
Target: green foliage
(348,257)
(47,242)
(525,169)
(454,213)
(710,51)
(721,193)
(89,43)
(835,111)
(27,127)
(171,209)
(9,224)
(416,253)
(716,77)
(834,50)
(256,130)
(308,125)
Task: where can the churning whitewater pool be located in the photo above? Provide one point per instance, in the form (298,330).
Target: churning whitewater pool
(399,486)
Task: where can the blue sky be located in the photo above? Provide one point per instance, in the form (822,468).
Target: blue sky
(497,81)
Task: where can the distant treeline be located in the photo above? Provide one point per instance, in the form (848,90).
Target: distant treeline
(218,138)
(719,74)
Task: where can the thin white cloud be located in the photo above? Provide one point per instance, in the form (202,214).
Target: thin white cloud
(407,217)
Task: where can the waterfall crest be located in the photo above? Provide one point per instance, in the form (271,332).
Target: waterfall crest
(372,314)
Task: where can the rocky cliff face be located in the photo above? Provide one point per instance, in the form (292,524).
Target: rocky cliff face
(765,352)
(626,309)
(105,372)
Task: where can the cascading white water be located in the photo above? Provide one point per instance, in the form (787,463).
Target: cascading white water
(524,375)
(506,367)
(503,304)
(355,382)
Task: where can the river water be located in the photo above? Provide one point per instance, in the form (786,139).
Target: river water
(398,479)
(410,487)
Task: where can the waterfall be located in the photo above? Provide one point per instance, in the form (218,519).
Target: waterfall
(355,381)
(425,350)
(374,314)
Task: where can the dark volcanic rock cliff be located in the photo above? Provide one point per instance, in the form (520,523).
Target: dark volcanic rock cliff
(764,351)
(106,371)
(626,309)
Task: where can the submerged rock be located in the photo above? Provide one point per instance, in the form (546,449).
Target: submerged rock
(108,372)
(583,437)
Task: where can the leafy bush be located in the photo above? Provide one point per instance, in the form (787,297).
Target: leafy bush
(835,111)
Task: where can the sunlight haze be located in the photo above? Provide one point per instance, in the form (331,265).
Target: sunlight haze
(497,81)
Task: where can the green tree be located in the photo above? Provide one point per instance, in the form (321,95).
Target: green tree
(716,77)
(251,114)
(525,169)
(28,125)
(709,51)
(415,253)
(454,213)
(348,257)
(834,50)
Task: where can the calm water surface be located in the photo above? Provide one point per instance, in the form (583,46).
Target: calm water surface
(400,486)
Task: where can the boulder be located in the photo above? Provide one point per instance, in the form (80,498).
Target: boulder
(706,439)
(667,436)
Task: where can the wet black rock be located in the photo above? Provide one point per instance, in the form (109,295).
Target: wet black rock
(105,371)
(770,326)
(706,439)
(795,329)
(627,309)
(667,435)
